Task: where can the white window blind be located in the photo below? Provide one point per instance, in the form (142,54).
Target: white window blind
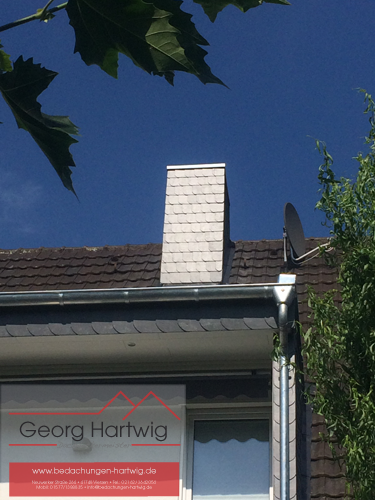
(231,460)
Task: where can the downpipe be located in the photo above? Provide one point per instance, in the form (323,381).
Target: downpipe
(284,297)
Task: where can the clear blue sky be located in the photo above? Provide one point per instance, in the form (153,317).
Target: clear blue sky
(292,73)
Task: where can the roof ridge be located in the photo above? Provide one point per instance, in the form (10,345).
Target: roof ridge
(98,247)
(130,245)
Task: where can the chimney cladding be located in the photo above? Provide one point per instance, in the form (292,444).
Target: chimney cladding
(196,225)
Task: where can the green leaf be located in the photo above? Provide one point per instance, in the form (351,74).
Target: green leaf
(20,88)
(157,36)
(5,64)
(213,7)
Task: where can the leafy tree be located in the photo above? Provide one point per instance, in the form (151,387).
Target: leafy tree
(157,35)
(340,346)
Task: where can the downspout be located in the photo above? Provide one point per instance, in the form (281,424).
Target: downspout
(284,297)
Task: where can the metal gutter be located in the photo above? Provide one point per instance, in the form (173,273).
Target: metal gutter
(138,295)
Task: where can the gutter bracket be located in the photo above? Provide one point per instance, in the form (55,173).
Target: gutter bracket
(285,294)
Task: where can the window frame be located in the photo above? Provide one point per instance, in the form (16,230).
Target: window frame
(239,411)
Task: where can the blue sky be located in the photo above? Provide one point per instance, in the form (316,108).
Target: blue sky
(292,73)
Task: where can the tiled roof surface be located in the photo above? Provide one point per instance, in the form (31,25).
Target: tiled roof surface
(137,326)
(327,476)
(130,266)
(139,266)
(261,262)
(78,268)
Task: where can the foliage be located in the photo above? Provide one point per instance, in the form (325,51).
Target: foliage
(20,88)
(5,64)
(213,8)
(340,346)
(157,35)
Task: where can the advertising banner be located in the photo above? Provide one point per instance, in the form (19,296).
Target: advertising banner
(92,441)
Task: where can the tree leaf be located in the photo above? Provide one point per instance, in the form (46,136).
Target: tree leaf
(157,36)
(5,64)
(20,88)
(213,7)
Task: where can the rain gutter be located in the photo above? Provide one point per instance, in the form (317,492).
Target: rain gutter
(138,295)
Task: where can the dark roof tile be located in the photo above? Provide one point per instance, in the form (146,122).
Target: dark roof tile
(124,327)
(168,326)
(233,324)
(18,331)
(331,468)
(190,325)
(4,332)
(39,330)
(14,282)
(212,325)
(260,323)
(320,450)
(103,328)
(146,326)
(7,273)
(59,329)
(83,329)
(271,322)
(29,281)
(321,489)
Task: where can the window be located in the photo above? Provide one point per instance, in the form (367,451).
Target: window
(228,455)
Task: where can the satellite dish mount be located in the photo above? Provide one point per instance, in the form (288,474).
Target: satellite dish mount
(293,231)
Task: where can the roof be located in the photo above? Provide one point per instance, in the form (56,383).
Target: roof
(131,266)
(139,266)
(78,268)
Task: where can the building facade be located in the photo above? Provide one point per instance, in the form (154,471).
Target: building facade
(198,310)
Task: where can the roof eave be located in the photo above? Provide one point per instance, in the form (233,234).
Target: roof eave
(139,295)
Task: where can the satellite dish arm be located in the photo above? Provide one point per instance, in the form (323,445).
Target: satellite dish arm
(297,259)
(284,241)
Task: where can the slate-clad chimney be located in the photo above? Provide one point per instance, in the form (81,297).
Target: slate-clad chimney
(196,225)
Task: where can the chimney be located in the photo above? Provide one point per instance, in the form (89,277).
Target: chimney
(196,225)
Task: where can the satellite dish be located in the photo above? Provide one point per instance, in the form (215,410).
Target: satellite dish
(294,230)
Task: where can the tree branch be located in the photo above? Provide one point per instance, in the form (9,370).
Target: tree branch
(41,15)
